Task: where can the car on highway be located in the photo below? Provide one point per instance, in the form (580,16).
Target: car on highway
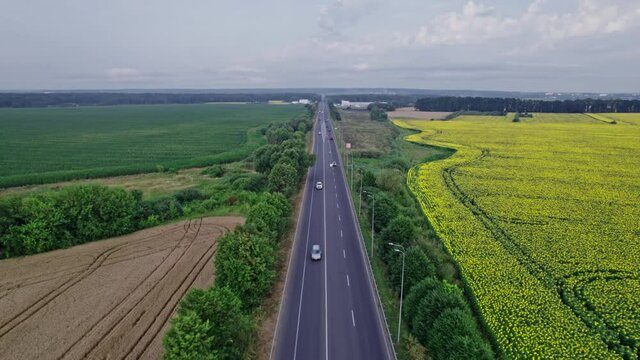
(331,138)
(333,164)
(316,253)
(319,185)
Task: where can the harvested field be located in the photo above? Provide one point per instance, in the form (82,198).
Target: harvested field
(106,299)
(411,113)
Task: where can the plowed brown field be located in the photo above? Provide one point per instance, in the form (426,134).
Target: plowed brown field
(109,299)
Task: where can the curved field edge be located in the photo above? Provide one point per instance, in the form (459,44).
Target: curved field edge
(526,316)
(254,140)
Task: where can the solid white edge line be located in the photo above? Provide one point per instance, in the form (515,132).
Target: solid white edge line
(326,307)
(286,281)
(353,318)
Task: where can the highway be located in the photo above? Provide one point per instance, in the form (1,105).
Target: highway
(329,308)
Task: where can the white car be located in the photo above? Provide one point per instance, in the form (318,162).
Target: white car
(333,164)
(316,253)
(319,185)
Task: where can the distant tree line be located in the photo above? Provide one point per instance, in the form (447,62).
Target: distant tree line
(523,105)
(25,100)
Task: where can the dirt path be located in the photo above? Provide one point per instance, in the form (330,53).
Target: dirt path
(109,299)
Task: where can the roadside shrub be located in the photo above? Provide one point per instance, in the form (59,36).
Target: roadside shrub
(188,338)
(254,182)
(214,171)
(163,209)
(389,179)
(400,230)
(386,210)
(416,294)
(283,178)
(218,313)
(417,267)
(188,195)
(431,306)
(455,336)
(245,263)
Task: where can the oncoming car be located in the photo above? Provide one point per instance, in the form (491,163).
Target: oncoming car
(319,185)
(333,164)
(316,253)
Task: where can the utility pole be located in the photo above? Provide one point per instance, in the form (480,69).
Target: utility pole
(373,218)
(399,248)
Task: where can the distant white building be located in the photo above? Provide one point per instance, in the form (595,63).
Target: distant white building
(353,105)
(304,101)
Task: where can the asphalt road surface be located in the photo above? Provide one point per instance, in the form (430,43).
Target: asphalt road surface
(329,308)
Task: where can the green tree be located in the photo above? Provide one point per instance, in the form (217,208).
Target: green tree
(431,306)
(378,114)
(188,338)
(368,179)
(416,294)
(386,210)
(416,268)
(400,230)
(219,306)
(283,178)
(245,263)
(279,134)
(456,336)
(262,158)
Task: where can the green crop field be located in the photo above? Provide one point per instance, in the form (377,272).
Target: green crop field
(44,145)
(542,217)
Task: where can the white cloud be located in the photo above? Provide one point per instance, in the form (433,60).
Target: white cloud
(124,74)
(477,23)
(361,67)
(341,14)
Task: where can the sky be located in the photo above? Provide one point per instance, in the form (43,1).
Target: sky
(511,45)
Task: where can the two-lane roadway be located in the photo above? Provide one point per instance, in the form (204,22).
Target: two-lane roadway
(329,308)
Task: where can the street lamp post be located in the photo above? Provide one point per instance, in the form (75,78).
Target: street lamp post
(360,202)
(373,217)
(399,248)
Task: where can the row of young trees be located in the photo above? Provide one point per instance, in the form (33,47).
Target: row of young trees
(484,104)
(217,323)
(435,310)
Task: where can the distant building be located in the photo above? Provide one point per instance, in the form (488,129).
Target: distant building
(304,101)
(353,105)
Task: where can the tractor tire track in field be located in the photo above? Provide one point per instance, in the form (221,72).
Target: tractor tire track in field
(116,306)
(112,328)
(186,227)
(34,280)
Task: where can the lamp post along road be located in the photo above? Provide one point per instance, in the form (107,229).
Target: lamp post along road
(373,218)
(399,248)
(360,202)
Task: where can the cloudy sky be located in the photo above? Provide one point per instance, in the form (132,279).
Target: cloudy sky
(526,45)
